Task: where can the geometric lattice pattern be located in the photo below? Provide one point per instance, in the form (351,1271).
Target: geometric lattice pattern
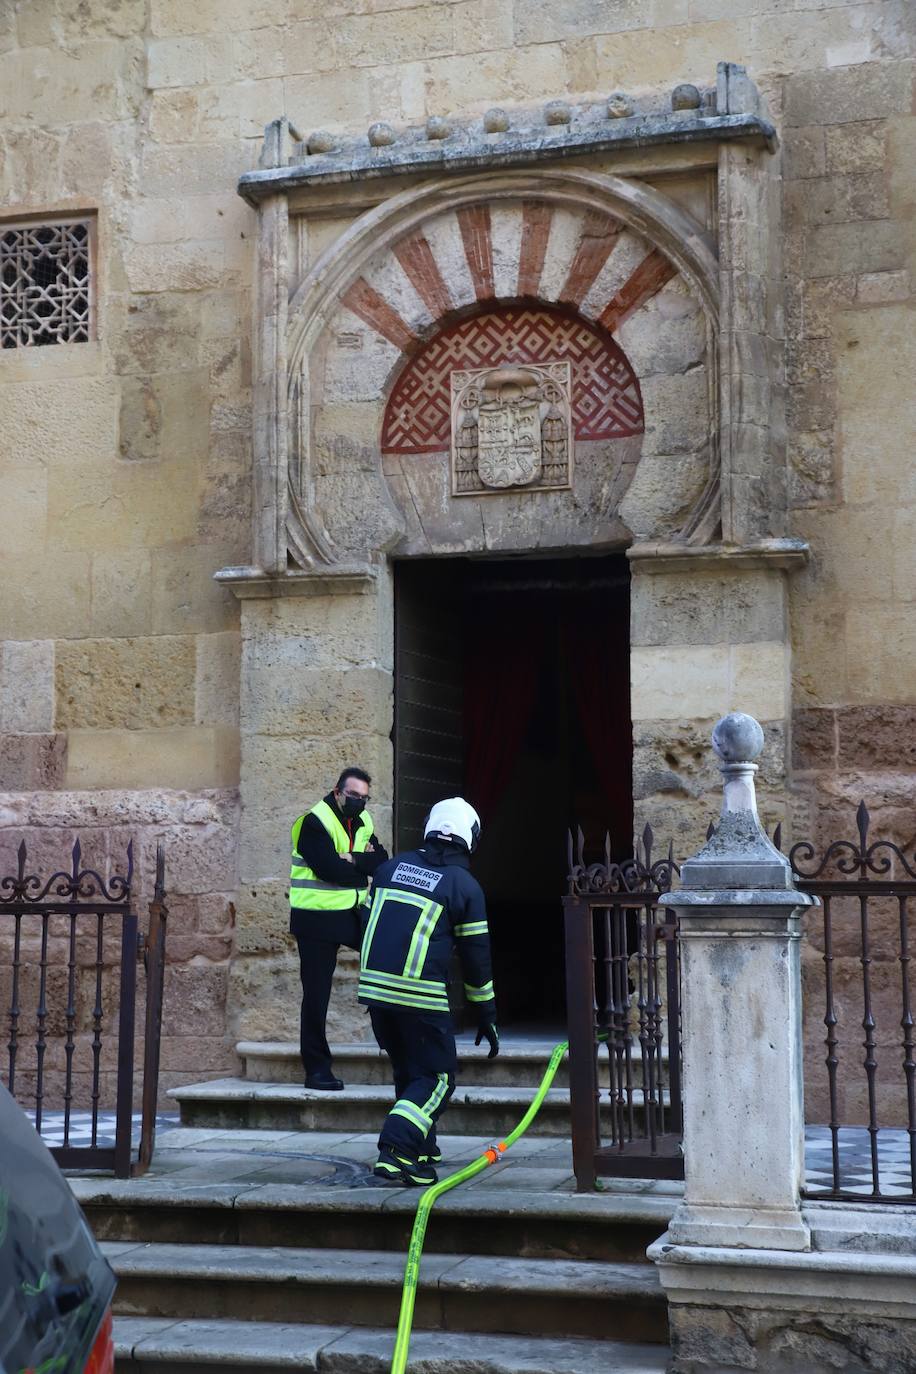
(45,287)
(606,401)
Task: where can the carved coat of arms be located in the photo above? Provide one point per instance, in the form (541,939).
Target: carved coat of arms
(511,427)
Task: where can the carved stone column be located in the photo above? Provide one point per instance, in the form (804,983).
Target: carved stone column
(270,432)
(751,337)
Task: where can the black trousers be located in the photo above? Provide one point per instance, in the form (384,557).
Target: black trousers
(421,1047)
(318,948)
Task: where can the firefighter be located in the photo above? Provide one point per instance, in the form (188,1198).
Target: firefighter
(425,904)
(335,853)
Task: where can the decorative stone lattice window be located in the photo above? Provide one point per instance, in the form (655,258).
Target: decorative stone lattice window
(46,283)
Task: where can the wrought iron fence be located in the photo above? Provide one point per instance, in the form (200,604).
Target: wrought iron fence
(73,943)
(623,1008)
(862,933)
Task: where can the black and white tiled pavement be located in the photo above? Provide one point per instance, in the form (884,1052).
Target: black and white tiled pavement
(52,1128)
(854,1152)
(855,1160)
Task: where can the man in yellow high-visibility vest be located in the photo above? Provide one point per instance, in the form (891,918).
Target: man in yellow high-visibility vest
(334,853)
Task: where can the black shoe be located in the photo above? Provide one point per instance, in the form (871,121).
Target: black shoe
(433,1156)
(398,1168)
(324,1082)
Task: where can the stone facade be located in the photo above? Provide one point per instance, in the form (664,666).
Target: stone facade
(199,833)
(759,287)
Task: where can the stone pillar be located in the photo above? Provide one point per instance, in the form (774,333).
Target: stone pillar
(742,1045)
(316,694)
(754,1281)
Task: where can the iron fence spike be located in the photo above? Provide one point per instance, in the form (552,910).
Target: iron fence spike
(863,820)
(710,830)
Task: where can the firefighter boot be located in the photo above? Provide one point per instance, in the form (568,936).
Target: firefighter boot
(430,1153)
(394,1166)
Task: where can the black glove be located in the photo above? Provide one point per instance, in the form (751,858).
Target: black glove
(489,1032)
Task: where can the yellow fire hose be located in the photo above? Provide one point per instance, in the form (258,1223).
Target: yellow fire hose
(432,1195)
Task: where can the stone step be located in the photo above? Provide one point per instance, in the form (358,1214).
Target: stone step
(166,1346)
(488,1220)
(520,1063)
(528,1297)
(236,1102)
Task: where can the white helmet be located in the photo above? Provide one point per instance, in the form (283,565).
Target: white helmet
(454,819)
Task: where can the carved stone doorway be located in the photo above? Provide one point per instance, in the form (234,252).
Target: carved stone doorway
(512,687)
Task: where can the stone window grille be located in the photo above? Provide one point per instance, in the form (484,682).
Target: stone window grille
(47,275)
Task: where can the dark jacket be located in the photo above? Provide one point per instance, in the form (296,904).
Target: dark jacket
(316,849)
(425,904)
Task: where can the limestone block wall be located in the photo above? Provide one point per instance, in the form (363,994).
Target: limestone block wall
(850,141)
(198,832)
(704,641)
(126,465)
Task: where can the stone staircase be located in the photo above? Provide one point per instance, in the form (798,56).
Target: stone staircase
(269,1249)
(490,1097)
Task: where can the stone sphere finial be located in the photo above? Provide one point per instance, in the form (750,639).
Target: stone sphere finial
(737,738)
(619,105)
(320,142)
(437,126)
(381,135)
(496,121)
(558,112)
(685,97)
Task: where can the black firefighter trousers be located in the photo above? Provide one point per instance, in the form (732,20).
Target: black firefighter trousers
(421,1047)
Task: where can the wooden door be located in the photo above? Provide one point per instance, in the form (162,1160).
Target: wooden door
(428,706)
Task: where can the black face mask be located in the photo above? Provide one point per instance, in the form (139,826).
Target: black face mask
(352,806)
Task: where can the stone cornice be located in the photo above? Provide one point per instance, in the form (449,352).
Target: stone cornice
(337,580)
(788,554)
(471,151)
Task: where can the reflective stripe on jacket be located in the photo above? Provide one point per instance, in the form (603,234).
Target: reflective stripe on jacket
(307,892)
(425,904)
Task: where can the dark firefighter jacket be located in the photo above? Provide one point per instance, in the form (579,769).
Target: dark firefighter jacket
(425,903)
(317,851)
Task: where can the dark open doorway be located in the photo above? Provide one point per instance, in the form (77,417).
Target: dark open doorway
(512,688)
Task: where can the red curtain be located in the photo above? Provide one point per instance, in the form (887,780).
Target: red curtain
(504,658)
(599,670)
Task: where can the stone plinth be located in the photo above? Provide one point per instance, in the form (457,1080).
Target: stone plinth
(743,1118)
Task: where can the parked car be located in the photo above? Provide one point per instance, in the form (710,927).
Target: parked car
(55,1285)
